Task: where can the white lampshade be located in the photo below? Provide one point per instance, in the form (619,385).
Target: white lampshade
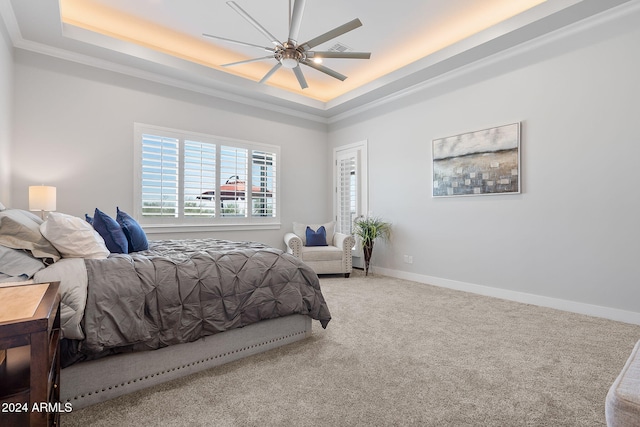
(42,198)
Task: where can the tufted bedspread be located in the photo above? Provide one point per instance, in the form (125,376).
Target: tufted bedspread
(181,290)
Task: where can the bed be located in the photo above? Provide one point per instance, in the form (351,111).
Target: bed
(133,320)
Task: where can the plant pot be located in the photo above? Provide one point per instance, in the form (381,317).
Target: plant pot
(368,250)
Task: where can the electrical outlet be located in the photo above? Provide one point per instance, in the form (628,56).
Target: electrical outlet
(408,259)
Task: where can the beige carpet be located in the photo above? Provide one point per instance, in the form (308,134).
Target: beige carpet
(402,353)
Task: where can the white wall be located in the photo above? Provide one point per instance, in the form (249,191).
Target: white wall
(6,99)
(73,128)
(573,234)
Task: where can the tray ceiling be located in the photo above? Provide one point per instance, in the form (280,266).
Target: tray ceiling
(410,41)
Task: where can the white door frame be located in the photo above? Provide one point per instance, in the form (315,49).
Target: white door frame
(359,150)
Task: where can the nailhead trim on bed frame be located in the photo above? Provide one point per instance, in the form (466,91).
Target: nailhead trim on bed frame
(81,399)
(146,377)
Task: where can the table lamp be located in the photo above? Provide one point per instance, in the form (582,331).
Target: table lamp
(42,198)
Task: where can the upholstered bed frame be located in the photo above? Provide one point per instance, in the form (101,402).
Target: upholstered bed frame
(87,383)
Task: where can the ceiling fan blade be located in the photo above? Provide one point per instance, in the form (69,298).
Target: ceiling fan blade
(268,49)
(298,72)
(338,31)
(270,73)
(325,70)
(346,55)
(296,20)
(253,22)
(246,61)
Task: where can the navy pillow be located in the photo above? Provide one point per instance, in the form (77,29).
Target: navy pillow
(88,219)
(136,237)
(316,238)
(111,232)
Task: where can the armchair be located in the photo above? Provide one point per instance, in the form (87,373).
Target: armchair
(331,259)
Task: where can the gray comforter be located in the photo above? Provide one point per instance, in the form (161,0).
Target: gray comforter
(181,290)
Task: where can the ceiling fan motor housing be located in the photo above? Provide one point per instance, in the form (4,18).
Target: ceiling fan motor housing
(289,56)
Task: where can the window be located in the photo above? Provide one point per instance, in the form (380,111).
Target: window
(189,179)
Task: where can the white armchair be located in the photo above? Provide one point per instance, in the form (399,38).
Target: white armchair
(331,259)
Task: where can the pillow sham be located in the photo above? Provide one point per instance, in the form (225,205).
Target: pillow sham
(18,263)
(316,238)
(2,207)
(111,232)
(73,237)
(20,229)
(135,235)
(300,230)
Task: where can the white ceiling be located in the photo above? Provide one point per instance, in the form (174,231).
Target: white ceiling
(410,41)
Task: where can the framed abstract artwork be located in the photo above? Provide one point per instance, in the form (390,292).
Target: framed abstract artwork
(476,163)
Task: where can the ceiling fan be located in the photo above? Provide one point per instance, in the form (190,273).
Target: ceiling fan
(290,54)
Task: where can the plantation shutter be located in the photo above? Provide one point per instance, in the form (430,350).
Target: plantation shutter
(160,176)
(263,190)
(347,191)
(233,181)
(199,179)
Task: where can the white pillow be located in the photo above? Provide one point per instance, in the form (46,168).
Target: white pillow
(73,237)
(2,207)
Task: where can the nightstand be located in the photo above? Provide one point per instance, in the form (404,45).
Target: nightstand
(30,371)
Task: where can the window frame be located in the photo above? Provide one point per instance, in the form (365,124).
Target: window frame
(198,224)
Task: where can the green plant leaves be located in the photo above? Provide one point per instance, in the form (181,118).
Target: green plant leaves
(370,228)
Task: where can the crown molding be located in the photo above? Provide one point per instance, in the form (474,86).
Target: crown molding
(523,48)
(159,78)
(19,42)
(10,22)
(540,26)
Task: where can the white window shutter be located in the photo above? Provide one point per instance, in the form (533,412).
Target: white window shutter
(160,176)
(233,181)
(263,189)
(347,192)
(199,179)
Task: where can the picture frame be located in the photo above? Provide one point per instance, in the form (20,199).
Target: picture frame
(482,162)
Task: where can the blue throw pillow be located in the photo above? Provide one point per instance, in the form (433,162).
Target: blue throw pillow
(111,232)
(88,219)
(136,236)
(316,238)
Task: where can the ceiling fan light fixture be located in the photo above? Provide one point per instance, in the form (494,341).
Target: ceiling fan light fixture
(289,58)
(289,63)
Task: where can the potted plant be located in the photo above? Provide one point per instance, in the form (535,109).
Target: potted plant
(367,229)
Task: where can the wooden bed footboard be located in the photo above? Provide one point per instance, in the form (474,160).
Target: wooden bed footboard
(87,383)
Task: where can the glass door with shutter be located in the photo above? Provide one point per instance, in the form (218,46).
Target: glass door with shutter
(350,186)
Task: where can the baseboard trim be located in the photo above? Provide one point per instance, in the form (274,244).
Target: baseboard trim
(523,297)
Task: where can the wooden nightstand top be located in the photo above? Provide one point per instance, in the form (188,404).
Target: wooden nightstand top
(20,302)
(40,299)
